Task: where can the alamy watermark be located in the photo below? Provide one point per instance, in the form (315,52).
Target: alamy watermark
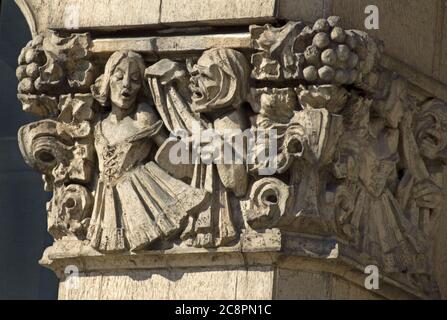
(372,20)
(372,280)
(72,277)
(72,16)
(229,147)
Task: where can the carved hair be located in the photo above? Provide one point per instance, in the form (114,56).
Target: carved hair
(101,88)
(235,65)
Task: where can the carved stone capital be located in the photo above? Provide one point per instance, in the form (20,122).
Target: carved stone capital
(289,145)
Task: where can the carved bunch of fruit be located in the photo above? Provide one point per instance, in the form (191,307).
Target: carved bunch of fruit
(50,66)
(323,53)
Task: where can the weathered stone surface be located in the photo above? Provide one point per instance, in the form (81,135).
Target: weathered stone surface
(217,12)
(219,275)
(302,285)
(85,14)
(305,10)
(222,151)
(107,14)
(175,284)
(154,47)
(399,25)
(254,283)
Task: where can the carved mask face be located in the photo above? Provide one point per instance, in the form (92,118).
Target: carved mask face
(205,83)
(219,80)
(432,133)
(125,84)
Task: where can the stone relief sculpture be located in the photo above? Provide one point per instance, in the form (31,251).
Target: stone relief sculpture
(356,157)
(136,203)
(215,93)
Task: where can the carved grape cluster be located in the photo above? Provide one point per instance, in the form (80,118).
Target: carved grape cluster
(57,65)
(51,66)
(332,54)
(30,60)
(320,54)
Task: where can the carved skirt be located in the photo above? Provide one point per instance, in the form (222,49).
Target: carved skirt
(144,205)
(385,232)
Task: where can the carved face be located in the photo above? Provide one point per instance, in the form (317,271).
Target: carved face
(431,132)
(125,84)
(205,82)
(219,80)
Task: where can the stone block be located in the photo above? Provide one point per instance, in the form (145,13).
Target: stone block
(107,14)
(173,284)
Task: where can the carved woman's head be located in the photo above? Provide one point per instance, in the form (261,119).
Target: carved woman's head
(219,80)
(122,82)
(431,130)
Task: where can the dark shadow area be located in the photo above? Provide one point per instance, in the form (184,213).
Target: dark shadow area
(23,235)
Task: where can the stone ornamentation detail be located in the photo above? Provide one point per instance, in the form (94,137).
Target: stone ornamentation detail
(356,158)
(50,66)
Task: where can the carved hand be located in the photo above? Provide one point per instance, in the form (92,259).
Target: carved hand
(427,194)
(167,71)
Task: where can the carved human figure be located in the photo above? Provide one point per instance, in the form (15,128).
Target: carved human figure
(358,160)
(219,85)
(369,150)
(136,202)
(213,99)
(420,188)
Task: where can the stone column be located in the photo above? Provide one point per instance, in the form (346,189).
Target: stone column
(259,267)
(230,150)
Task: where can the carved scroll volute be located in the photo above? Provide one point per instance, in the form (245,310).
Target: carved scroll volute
(69,212)
(63,151)
(268,204)
(42,147)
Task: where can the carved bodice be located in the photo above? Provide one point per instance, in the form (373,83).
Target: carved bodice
(116,159)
